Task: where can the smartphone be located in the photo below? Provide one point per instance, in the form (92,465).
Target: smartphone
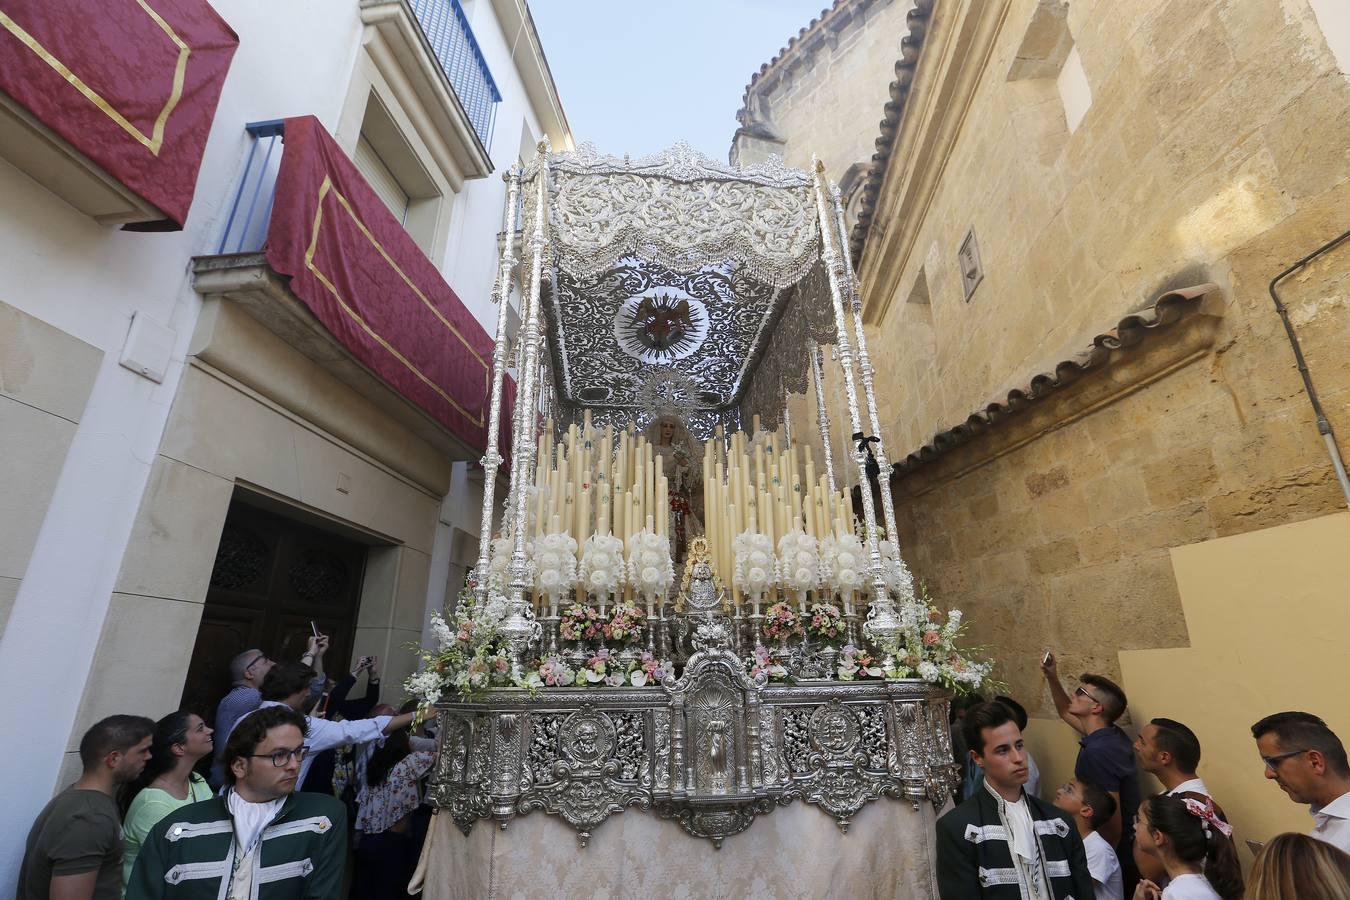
(365,661)
(312,628)
(1045,660)
(321,708)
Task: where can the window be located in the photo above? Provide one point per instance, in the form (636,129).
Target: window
(381,179)
(396,173)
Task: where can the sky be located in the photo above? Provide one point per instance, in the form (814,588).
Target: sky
(637,75)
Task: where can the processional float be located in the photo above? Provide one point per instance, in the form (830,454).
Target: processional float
(677,611)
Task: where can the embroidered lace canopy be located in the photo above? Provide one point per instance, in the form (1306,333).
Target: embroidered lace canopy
(680,285)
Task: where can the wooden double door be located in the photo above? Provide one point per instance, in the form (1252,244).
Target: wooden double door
(272,577)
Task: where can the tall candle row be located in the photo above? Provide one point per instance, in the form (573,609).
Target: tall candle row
(610,481)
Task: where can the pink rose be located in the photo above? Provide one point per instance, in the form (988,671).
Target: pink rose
(930,638)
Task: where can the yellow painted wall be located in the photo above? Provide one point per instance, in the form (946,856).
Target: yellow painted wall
(1268,616)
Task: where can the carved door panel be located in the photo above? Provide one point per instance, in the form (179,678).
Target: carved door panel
(272,577)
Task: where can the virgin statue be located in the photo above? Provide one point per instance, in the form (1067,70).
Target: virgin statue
(683,468)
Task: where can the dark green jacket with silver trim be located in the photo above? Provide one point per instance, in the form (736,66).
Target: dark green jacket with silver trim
(301,855)
(974,852)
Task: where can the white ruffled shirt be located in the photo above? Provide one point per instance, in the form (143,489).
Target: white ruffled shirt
(250,819)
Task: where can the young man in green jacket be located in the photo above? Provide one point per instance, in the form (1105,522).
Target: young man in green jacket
(261,838)
(1003,843)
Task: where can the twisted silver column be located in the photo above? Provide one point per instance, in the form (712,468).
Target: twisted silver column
(865,368)
(519,627)
(822,412)
(492,458)
(882,622)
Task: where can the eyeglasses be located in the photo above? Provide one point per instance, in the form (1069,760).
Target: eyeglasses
(1273,762)
(257,659)
(280,758)
(1086,693)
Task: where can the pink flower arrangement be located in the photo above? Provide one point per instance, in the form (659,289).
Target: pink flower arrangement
(826,622)
(781,622)
(625,623)
(647,669)
(763,660)
(554,672)
(596,668)
(578,622)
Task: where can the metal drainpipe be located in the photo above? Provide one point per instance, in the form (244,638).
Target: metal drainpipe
(1323,424)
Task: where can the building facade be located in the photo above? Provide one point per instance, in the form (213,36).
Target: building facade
(197,458)
(1066,229)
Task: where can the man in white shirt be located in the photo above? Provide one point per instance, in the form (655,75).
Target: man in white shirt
(1306,759)
(1170,752)
(287,684)
(1091,807)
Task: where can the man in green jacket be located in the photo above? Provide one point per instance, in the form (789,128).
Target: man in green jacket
(1003,843)
(263,840)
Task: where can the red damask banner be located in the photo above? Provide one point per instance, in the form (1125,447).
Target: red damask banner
(361,274)
(131,84)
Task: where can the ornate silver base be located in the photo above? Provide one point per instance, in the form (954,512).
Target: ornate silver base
(712,750)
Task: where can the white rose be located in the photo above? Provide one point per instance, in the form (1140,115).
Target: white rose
(845,560)
(848,577)
(650,575)
(549,579)
(803,576)
(599,578)
(756,575)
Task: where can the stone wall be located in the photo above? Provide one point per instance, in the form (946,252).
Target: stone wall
(1213,151)
(825,94)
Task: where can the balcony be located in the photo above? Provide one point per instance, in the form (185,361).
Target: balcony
(112,115)
(310,252)
(429,55)
(447,30)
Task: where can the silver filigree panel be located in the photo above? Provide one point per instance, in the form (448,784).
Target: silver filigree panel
(598,348)
(682,210)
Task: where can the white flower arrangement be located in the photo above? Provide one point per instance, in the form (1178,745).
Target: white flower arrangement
(927,648)
(555,564)
(843,563)
(756,567)
(602,566)
(895,573)
(650,568)
(799,560)
(467,656)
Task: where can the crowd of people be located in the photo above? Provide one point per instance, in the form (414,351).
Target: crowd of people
(299,771)
(263,806)
(1100,838)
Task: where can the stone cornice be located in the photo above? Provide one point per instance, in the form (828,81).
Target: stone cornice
(958,41)
(1125,358)
(797,56)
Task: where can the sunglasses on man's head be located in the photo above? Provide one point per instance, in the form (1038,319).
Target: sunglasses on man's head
(257,659)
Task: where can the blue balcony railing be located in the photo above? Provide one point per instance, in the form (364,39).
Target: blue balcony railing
(447,30)
(251,209)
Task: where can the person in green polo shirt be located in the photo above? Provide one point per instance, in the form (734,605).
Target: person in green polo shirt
(261,838)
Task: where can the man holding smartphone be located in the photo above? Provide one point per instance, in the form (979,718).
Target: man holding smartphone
(247,671)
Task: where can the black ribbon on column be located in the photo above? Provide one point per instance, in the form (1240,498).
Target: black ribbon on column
(873,468)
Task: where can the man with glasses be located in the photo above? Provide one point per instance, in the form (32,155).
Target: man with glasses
(1105,753)
(247,671)
(261,839)
(1306,759)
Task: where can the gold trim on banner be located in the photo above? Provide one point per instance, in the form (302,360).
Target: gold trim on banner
(156,140)
(356,317)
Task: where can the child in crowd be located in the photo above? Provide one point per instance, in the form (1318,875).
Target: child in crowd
(1194,846)
(1091,807)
